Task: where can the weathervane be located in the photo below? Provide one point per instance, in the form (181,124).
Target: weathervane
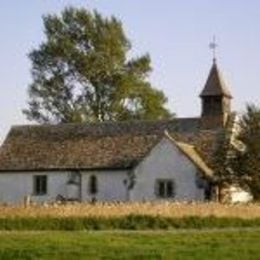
(213,46)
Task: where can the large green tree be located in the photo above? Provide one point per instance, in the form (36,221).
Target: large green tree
(223,162)
(82,72)
(247,161)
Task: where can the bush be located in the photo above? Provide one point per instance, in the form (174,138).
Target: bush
(130,222)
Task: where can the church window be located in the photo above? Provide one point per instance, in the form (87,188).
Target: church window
(93,184)
(74,177)
(165,188)
(40,184)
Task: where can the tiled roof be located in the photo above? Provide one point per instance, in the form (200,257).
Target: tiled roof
(96,146)
(193,155)
(191,152)
(215,85)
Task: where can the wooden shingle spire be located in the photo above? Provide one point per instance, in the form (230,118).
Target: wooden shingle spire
(215,85)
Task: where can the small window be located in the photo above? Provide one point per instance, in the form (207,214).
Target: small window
(93,184)
(165,188)
(40,184)
(74,177)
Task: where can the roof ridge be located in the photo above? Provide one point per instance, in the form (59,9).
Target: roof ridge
(107,122)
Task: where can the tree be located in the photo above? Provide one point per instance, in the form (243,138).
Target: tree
(247,163)
(82,72)
(223,164)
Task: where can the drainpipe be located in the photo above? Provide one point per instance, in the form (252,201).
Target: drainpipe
(80,186)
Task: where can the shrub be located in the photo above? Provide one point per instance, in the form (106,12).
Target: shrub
(130,222)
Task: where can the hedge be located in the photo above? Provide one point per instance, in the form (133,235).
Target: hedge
(130,222)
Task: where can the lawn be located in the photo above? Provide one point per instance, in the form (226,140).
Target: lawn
(229,244)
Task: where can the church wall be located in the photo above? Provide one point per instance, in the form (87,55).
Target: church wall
(166,161)
(14,187)
(111,185)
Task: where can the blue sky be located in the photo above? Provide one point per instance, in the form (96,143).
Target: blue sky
(176,34)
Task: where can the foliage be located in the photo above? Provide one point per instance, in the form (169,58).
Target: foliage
(247,165)
(223,163)
(128,222)
(82,72)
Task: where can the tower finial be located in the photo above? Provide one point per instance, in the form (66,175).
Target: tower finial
(213,46)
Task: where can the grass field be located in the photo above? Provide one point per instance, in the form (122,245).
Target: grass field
(212,231)
(232,244)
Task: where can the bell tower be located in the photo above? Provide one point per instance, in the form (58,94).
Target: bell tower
(215,98)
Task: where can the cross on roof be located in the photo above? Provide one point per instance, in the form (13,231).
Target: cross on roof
(213,46)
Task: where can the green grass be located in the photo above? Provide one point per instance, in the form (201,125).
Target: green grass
(130,222)
(236,244)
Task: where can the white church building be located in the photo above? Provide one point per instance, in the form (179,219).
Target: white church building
(118,161)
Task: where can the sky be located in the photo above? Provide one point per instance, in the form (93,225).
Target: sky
(176,34)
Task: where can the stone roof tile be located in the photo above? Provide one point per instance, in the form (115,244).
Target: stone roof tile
(96,146)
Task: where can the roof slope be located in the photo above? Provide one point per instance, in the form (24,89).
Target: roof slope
(215,85)
(191,152)
(193,155)
(96,146)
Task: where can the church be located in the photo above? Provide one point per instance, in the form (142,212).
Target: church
(118,161)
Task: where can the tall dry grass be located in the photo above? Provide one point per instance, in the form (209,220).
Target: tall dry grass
(166,209)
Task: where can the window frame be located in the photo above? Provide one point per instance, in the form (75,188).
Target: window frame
(40,185)
(165,188)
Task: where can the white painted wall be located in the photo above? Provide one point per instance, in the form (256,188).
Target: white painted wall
(165,161)
(238,195)
(15,186)
(111,185)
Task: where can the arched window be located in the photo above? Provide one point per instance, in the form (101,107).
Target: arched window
(93,184)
